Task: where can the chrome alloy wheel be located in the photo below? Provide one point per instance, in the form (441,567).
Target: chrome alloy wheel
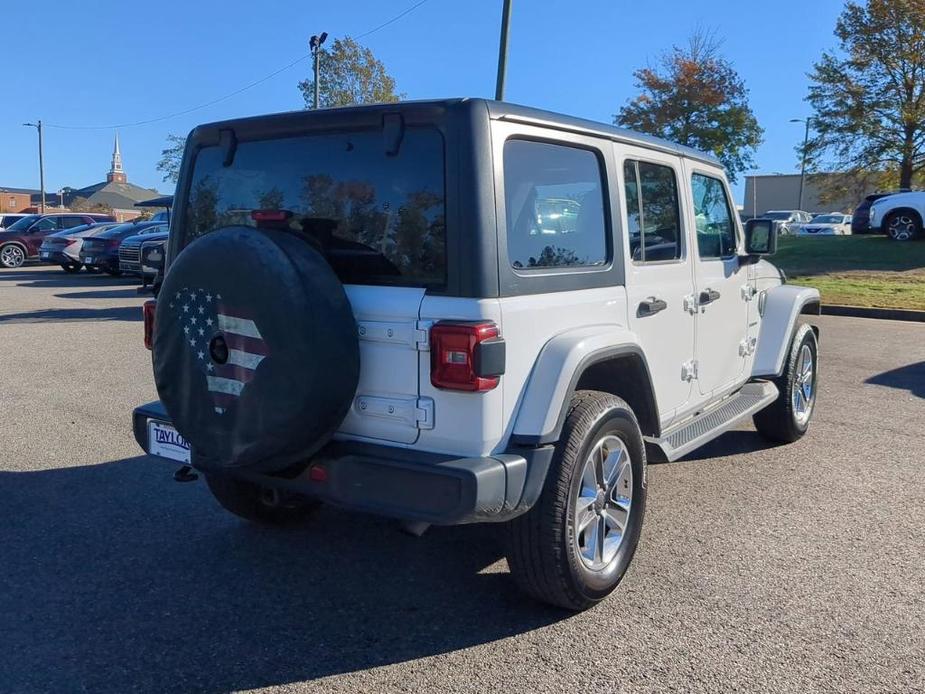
(602,509)
(12,256)
(902,227)
(804,386)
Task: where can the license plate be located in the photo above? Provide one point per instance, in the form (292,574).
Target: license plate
(45,254)
(87,261)
(165,441)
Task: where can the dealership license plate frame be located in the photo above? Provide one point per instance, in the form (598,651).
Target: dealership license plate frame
(163,446)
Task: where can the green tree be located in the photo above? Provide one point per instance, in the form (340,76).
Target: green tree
(350,74)
(694,97)
(869,97)
(171,158)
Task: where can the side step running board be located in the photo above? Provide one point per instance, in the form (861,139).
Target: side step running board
(693,433)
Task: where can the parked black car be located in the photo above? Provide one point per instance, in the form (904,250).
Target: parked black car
(102,252)
(63,247)
(860,220)
(130,262)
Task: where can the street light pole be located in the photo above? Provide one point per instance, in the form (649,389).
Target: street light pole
(502,51)
(315,44)
(803,165)
(38,126)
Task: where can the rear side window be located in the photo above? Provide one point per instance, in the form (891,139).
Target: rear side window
(716,237)
(554,202)
(69,222)
(377,216)
(652,212)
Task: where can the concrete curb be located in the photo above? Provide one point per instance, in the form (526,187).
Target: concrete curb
(881,313)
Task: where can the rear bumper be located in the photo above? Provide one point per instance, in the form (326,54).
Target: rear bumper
(56,257)
(108,263)
(404,483)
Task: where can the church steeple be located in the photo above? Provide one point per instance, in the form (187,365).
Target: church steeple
(116,174)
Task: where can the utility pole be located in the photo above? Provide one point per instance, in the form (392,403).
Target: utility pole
(38,126)
(315,44)
(803,165)
(502,51)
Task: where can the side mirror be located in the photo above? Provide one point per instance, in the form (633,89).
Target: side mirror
(760,237)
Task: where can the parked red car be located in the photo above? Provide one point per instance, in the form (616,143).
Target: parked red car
(21,241)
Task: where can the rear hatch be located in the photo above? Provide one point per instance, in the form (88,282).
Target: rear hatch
(372,200)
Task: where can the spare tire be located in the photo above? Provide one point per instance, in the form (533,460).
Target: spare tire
(256,357)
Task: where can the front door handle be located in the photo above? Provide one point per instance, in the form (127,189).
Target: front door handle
(708,296)
(651,306)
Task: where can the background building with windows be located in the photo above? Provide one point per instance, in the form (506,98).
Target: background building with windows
(17,199)
(823,192)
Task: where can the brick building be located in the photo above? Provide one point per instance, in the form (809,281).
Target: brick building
(17,199)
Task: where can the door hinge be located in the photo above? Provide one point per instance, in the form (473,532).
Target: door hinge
(690,303)
(748,292)
(424,413)
(747,346)
(422,335)
(689,370)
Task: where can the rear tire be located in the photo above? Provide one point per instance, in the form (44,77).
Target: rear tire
(574,546)
(259,504)
(786,419)
(71,267)
(902,226)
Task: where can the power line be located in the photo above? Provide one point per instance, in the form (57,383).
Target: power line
(180,113)
(391,21)
(231,94)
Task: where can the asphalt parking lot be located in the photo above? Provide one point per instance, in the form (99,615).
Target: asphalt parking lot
(786,569)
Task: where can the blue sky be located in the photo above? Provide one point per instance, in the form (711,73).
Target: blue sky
(104,62)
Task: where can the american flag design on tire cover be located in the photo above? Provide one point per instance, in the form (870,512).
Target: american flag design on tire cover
(202,315)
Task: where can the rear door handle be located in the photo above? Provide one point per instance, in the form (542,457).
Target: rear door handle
(651,306)
(708,296)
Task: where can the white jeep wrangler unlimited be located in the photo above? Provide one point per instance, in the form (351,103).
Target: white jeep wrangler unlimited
(465,311)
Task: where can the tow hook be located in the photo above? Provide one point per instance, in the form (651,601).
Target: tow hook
(185,474)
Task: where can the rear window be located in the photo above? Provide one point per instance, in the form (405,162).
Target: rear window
(379,218)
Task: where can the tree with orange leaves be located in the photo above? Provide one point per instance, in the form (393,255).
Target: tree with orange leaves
(694,97)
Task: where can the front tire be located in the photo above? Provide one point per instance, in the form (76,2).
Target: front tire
(71,267)
(259,504)
(12,256)
(786,419)
(574,546)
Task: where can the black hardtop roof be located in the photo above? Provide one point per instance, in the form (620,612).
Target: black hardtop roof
(497,110)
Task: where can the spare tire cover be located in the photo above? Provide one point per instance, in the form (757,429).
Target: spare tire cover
(256,357)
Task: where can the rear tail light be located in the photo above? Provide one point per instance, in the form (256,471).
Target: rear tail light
(466,356)
(148,311)
(113,243)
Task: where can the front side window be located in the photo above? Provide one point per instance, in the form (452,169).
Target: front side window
(554,203)
(716,236)
(652,212)
(46,224)
(378,216)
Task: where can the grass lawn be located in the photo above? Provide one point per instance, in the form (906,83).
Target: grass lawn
(857,270)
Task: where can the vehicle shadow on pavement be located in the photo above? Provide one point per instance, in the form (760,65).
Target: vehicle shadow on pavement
(910,377)
(126,293)
(66,315)
(116,578)
(62,280)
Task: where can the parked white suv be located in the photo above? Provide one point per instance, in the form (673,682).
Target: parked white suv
(899,216)
(373,307)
